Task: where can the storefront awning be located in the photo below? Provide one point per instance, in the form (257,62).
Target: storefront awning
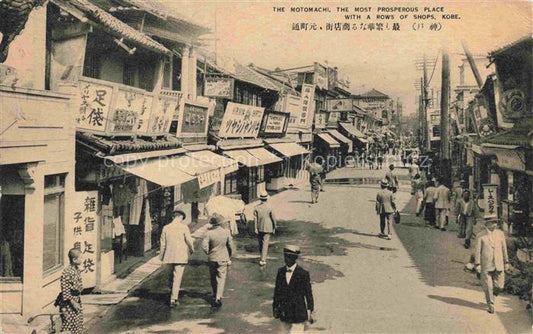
(264,156)
(158,171)
(329,140)
(353,131)
(338,136)
(228,165)
(289,149)
(243,157)
(206,173)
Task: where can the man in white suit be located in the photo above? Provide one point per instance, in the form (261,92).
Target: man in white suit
(442,198)
(176,243)
(491,260)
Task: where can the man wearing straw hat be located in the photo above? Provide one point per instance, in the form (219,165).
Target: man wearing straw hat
(293,297)
(218,245)
(385,207)
(176,243)
(265,226)
(491,261)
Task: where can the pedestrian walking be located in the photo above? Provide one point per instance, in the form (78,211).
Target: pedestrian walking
(413,171)
(391,176)
(429,203)
(218,245)
(491,261)
(442,199)
(314,180)
(293,301)
(385,207)
(468,212)
(380,160)
(176,244)
(69,301)
(265,226)
(371,160)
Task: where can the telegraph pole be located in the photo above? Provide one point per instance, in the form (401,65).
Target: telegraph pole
(424,105)
(445,158)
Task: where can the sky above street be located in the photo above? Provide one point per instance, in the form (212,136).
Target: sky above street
(252,32)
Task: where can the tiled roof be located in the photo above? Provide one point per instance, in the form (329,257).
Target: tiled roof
(374,93)
(110,146)
(498,52)
(232,68)
(110,23)
(280,83)
(518,135)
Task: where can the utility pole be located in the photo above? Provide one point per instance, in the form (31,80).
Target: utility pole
(423,122)
(424,106)
(473,65)
(445,158)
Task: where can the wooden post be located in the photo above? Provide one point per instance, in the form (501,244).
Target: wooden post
(473,65)
(445,158)
(427,144)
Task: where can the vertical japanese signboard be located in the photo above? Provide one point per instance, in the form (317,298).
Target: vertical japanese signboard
(163,111)
(320,120)
(293,106)
(84,233)
(308,106)
(241,121)
(490,194)
(132,109)
(320,76)
(93,102)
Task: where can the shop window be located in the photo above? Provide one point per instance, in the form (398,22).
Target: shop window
(245,97)
(53,230)
(230,186)
(129,73)
(260,174)
(176,73)
(167,73)
(11,237)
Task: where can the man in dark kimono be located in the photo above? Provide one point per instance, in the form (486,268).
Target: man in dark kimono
(293,298)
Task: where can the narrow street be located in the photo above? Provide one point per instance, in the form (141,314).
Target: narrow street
(361,283)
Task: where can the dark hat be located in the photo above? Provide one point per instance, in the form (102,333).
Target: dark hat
(179,212)
(263,196)
(291,249)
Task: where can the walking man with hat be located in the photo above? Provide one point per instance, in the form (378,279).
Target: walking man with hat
(265,226)
(293,297)
(176,243)
(218,245)
(385,207)
(492,261)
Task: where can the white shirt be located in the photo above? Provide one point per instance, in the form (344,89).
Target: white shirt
(288,274)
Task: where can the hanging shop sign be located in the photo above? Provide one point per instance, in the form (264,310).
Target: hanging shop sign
(193,120)
(241,121)
(131,108)
(84,232)
(320,76)
(179,105)
(274,123)
(334,117)
(320,120)
(93,101)
(293,106)
(308,106)
(208,178)
(219,87)
(332,78)
(340,105)
(490,194)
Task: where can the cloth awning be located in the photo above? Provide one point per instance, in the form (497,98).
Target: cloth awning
(264,156)
(338,136)
(158,171)
(289,149)
(329,140)
(352,130)
(228,165)
(206,173)
(243,157)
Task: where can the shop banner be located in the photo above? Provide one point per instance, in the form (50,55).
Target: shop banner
(490,200)
(321,76)
(308,106)
(219,87)
(274,123)
(334,117)
(293,106)
(320,120)
(209,178)
(130,109)
(241,121)
(93,101)
(84,232)
(193,120)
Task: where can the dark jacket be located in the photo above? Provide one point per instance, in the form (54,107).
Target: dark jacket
(292,301)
